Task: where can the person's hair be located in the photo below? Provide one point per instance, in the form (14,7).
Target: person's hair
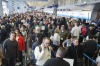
(75,22)
(74,39)
(91,25)
(46,38)
(91,37)
(57,30)
(40,38)
(12,32)
(18,31)
(61,52)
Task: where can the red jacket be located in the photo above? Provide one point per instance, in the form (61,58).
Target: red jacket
(21,43)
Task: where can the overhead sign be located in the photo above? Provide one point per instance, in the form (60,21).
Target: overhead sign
(76,14)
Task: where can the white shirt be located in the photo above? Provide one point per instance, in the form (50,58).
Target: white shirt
(24,33)
(76,31)
(42,56)
(56,38)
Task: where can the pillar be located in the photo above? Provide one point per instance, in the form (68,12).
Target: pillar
(11,6)
(55,8)
(1,9)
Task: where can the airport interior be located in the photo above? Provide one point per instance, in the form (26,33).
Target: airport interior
(49,32)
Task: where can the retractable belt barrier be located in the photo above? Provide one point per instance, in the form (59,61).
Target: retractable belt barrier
(98,45)
(90,58)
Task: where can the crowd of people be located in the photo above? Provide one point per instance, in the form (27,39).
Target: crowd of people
(47,39)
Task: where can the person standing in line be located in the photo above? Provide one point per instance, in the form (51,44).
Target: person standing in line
(10,49)
(76,31)
(21,45)
(42,52)
(90,49)
(75,52)
(63,34)
(56,39)
(58,61)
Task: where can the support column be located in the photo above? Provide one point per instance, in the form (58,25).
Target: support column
(11,6)
(7,8)
(55,8)
(1,9)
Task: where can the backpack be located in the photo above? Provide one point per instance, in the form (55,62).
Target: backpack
(84,31)
(40,48)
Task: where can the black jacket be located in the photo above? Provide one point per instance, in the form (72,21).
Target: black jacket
(75,52)
(56,62)
(90,46)
(10,48)
(3,34)
(92,32)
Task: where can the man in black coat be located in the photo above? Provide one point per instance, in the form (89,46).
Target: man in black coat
(75,52)
(8,29)
(91,30)
(3,33)
(90,49)
(58,61)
